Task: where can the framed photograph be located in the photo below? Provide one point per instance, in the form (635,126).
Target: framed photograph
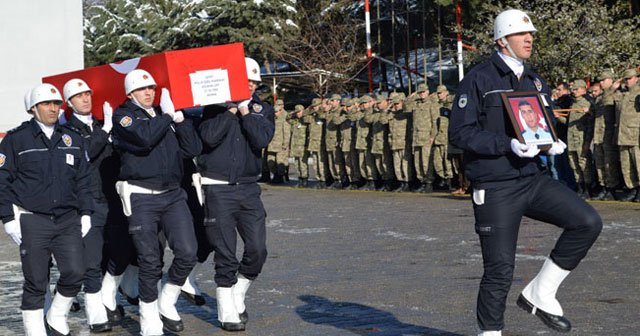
(530,119)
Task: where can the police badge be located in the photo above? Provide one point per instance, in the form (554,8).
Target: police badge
(257,108)
(3,158)
(462,101)
(126,121)
(538,84)
(67,140)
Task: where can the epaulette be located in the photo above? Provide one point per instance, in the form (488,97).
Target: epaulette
(72,128)
(22,126)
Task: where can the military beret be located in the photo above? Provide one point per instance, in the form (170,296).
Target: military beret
(606,74)
(335,97)
(299,108)
(316,102)
(279,102)
(629,73)
(578,83)
(422,88)
(441,88)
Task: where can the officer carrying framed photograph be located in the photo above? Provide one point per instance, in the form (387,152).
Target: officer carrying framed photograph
(528,116)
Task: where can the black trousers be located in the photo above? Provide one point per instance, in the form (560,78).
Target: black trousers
(43,236)
(118,251)
(497,223)
(167,213)
(93,244)
(231,210)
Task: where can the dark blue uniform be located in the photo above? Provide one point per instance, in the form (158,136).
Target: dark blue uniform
(152,151)
(514,186)
(51,179)
(232,153)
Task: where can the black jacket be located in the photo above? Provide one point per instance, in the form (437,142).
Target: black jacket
(480,126)
(49,177)
(233,144)
(152,149)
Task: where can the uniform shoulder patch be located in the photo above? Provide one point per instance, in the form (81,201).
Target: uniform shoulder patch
(67,140)
(3,159)
(462,101)
(538,83)
(257,108)
(126,121)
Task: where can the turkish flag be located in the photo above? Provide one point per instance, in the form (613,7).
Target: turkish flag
(197,76)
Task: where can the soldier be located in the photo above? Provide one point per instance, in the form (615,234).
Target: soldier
(347,131)
(398,121)
(278,150)
(334,156)
(606,151)
(229,169)
(628,134)
(45,205)
(441,163)
(379,144)
(78,95)
(153,146)
(368,173)
(579,136)
(299,145)
(314,118)
(508,182)
(425,113)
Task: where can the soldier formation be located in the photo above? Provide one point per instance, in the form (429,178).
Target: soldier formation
(392,142)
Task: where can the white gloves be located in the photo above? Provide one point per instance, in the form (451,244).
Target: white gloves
(61,118)
(13,230)
(107,111)
(557,148)
(166,105)
(522,150)
(85,224)
(243,107)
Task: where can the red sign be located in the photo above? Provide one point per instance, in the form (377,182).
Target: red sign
(193,76)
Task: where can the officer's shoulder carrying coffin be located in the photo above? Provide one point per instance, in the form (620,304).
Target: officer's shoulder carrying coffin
(195,77)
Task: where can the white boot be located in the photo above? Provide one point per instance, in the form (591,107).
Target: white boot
(57,314)
(490,333)
(150,323)
(96,314)
(33,321)
(109,289)
(167,307)
(240,291)
(541,291)
(227,311)
(191,285)
(129,283)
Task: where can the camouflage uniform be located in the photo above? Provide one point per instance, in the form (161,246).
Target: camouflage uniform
(441,163)
(278,149)
(605,150)
(334,155)
(347,131)
(299,146)
(425,115)
(315,121)
(579,136)
(628,134)
(398,132)
(380,149)
(363,144)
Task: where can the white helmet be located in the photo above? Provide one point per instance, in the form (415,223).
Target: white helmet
(42,93)
(27,100)
(74,87)
(253,69)
(510,22)
(136,79)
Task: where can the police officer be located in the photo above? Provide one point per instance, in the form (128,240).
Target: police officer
(45,205)
(153,142)
(508,182)
(299,145)
(78,96)
(229,168)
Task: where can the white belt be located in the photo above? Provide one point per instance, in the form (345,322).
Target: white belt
(142,190)
(125,190)
(199,181)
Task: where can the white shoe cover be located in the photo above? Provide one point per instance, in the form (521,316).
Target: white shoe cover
(57,314)
(240,291)
(150,323)
(191,285)
(541,291)
(167,301)
(96,314)
(109,289)
(227,311)
(33,321)
(490,333)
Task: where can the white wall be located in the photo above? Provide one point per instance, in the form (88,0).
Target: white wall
(38,38)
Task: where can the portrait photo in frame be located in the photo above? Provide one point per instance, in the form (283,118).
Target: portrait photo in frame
(530,119)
